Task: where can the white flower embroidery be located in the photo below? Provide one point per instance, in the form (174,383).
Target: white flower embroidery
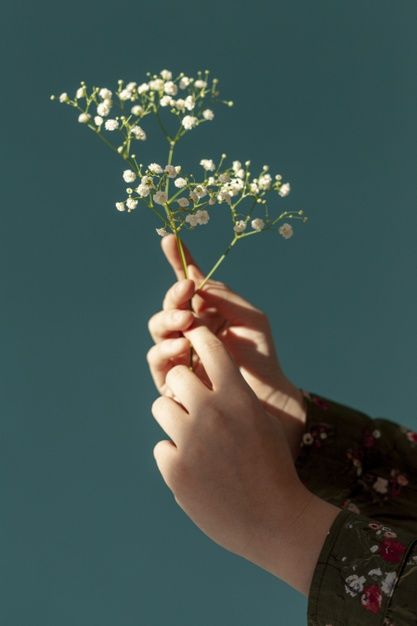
(354,584)
(381,485)
(388,583)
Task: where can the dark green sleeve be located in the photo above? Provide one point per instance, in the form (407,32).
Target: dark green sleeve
(366,575)
(356,462)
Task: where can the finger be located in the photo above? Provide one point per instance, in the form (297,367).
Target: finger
(178,296)
(160,358)
(220,367)
(186,386)
(171,417)
(170,248)
(235,309)
(164,324)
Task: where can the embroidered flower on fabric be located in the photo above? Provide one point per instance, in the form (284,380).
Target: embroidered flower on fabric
(354,584)
(371,598)
(391,550)
(320,402)
(316,435)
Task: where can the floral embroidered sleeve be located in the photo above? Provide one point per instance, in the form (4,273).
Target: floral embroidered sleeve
(367,569)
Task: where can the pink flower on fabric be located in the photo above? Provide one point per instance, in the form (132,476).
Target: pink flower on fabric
(371,598)
(391,550)
(412,436)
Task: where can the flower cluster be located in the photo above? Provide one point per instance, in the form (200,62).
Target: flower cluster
(124,111)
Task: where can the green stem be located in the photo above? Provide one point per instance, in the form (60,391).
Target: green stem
(219,261)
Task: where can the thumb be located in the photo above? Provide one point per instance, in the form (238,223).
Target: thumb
(170,249)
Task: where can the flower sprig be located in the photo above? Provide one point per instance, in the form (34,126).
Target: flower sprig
(189,101)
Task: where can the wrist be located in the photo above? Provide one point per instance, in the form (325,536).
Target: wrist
(289,405)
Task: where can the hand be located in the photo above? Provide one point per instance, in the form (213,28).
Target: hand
(244,331)
(229,465)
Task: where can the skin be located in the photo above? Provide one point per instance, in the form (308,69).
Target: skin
(225,441)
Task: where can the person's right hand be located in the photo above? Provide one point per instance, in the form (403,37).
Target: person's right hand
(244,330)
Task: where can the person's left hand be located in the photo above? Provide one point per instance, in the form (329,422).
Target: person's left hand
(228,465)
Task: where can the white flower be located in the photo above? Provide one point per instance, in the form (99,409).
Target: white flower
(208,165)
(284,190)
(184,82)
(180,182)
(143,190)
(200,191)
(172,170)
(254,188)
(239,227)
(189,121)
(375,572)
(183,202)
(155,168)
(193,196)
(202,216)
(388,584)
(120,206)
(374,548)
(179,104)
(166,74)
(125,94)
(143,88)
(131,203)
(192,219)
(212,201)
(103,109)
(224,196)
(208,114)
(211,180)
(200,84)
(98,120)
(105,93)
(165,101)
(160,197)
(63,97)
(381,485)
(161,232)
(80,92)
(189,103)
(137,110)
(257,223)
(129,176)
(157,84)
(376,433)
(138,133)
(83,118)
(170,88)
(264,181)
(147,180)
(286,230)
(308,439)
(354,584)
(111,124)
(236,165)
(224,178)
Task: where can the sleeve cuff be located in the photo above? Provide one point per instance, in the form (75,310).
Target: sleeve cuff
(362,575)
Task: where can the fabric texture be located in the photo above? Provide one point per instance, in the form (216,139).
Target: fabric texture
(367,569)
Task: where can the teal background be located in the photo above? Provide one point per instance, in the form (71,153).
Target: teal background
(325,92)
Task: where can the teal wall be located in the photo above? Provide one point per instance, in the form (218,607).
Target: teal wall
(325,92)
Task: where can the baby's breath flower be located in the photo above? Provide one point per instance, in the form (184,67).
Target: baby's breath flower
(200,191)
(98,120)
(120,206)
(202,216)
(236,165)
(166,74)
(63,97)
(80,93)
(239,227)
(200,84)
(172,170)
(192,219)
(183,202)
(278,176)
(111,124)
(103,109)
(147,180)
(286,230)
(264,181)
(160,197)
(161,232)
(253,187)
(125,94)
(143,88)
(184,82)
(179,104)
(157,84)
(143,190)
(211,180)
(129,176)
(131,203)
(105,93)
(138,133)
(208,114)
(170,88)
(224,196)
(257,223)
(189,121)
(155,168)
(212,201)
(180,183)
(208,165)
(84,118)
(165,101)
(189,103)
(284,190)
(137,110)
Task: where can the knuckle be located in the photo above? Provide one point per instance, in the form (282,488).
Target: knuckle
(151,323)
(175,372)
